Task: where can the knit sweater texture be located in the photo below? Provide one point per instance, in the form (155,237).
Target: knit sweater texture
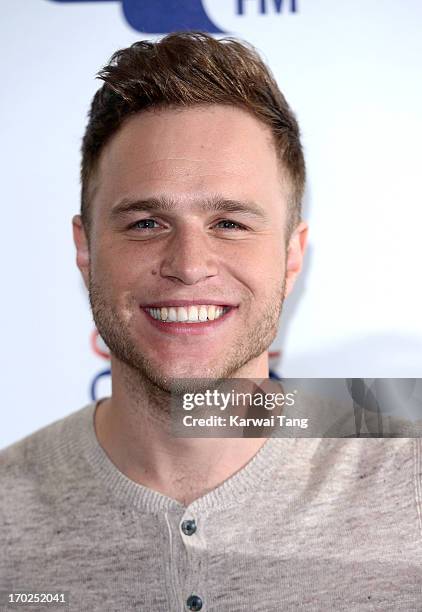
(308,524)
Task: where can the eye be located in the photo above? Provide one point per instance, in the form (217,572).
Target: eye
(230,225)
(143,224)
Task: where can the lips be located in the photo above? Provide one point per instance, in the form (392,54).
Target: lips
(196,302)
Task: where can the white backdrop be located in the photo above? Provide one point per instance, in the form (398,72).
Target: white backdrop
(352,73)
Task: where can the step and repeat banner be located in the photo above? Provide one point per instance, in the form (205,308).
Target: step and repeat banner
(352,73)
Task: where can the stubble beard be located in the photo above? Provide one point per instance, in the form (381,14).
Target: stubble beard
(142,373)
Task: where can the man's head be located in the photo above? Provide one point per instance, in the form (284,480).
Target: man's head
(192,180)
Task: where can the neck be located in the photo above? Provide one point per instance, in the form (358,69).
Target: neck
(133,427)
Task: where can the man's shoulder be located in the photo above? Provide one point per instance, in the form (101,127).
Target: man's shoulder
(41,484)
(27,455)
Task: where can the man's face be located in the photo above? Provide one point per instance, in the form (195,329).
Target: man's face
(189,210)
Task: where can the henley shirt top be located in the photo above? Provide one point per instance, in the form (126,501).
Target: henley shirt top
(307,524)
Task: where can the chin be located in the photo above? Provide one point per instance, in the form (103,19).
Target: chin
(188,372)
(182,378)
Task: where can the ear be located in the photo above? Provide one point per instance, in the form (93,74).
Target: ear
(295,254)
(82,249)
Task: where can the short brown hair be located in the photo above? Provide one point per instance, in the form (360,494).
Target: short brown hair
(185,69)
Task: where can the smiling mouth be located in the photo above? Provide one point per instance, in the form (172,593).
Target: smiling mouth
(188,314)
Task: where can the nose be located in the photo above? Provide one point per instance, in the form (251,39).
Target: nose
(189,258)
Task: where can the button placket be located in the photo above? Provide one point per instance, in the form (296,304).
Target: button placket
(188,527)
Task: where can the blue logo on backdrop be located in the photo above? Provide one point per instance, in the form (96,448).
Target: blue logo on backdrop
(163,16)
(266,6)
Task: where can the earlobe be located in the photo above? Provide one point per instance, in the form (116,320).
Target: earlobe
(82,249)
(295,254)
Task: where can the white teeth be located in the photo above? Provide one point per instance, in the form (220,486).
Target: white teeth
(203,313)
(191,314)
(172,316)
(211,313)
(182,314)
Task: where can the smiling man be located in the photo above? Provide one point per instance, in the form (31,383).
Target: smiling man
(189,239)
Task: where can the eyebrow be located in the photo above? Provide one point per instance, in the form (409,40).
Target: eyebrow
(163,204)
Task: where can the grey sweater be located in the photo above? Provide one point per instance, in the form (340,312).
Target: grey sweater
(307,524)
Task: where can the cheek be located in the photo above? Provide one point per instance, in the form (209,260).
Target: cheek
(117,265)
(113,281)
(127,306)
(260,264)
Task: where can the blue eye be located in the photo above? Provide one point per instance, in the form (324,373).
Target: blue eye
(231,225)
(147,222)
(152,224)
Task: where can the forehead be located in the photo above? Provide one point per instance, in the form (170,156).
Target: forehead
(190,152)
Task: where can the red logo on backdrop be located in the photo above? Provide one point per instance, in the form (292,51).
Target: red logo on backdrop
(99,346)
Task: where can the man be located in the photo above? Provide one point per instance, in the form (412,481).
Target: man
(189,239)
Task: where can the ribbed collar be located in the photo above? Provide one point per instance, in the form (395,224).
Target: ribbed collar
(256,476)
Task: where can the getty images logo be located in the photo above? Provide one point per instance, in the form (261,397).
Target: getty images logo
(163,16)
